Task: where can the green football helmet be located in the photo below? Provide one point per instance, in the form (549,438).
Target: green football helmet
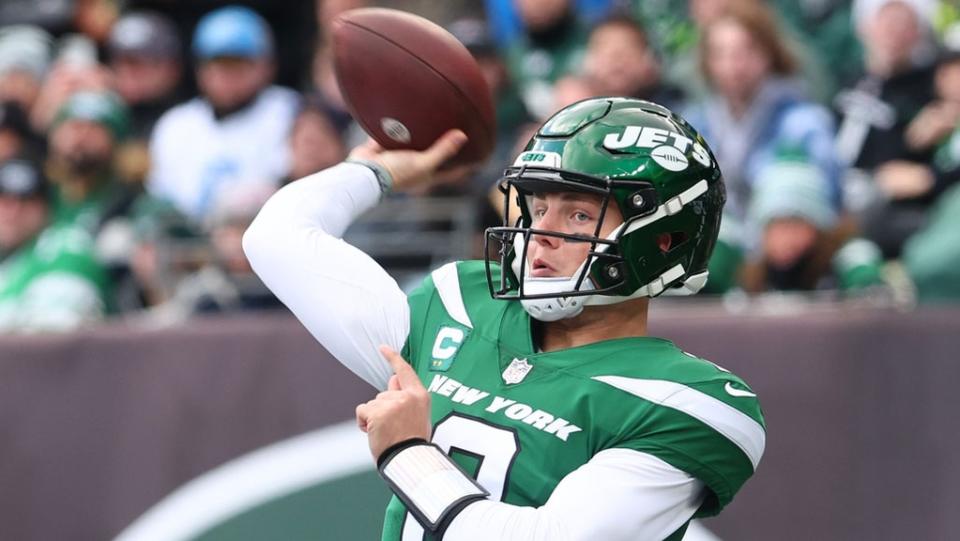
(648,161)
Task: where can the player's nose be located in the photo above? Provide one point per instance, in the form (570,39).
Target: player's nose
(550,221)
(547,241)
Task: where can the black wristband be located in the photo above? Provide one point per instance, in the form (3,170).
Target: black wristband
(453,512)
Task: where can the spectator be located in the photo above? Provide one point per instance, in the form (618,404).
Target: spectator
(54,17)
(826,28)
(315,142)
(671,26)
(83,140)
(144,51)
(932,255)
(756,106)
(323,80)
(506,26)
(620,61)
(75,69)
(226,283)
(158,246)
(569,90)
(804,245)
(552,46)
(897,83)
(49,278)
(677,28)
(327,90)
(238,130)
(511,114)
(24,60)
(937,128)
(889,190)
(16,139)
(95,18)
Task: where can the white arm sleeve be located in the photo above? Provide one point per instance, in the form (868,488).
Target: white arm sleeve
(620,494)
(346,301)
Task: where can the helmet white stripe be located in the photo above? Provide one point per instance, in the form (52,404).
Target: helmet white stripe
(651,289)
(669,208)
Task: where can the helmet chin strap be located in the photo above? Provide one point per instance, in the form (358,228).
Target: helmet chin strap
(557,308)
(552,308)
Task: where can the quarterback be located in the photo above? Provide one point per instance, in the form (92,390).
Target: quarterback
(520,397)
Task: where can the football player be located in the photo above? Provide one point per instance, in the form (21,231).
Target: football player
(526,400)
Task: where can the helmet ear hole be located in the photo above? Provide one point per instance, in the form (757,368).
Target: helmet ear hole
(667,242)
(677,239)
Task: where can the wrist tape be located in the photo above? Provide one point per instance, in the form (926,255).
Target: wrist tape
(384,178)
(431,485)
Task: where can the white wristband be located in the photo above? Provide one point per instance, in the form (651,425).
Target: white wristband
(430,484)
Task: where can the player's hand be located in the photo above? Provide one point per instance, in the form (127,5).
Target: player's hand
(402,412)
(412,170)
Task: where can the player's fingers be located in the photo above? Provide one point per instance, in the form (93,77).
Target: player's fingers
(406,377)
(362,417)
(393,394)
(394,383)
(444,148)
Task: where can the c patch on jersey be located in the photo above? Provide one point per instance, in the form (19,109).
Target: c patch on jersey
(446,346)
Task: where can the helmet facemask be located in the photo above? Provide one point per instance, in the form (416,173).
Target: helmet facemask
(553,298)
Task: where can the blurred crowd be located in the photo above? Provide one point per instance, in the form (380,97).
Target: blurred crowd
(139,139)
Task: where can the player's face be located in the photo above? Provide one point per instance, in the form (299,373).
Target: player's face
(570,213)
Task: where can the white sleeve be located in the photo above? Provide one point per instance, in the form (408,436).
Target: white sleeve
(346,301)
(620,494)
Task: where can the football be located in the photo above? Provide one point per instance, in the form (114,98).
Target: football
(407,81)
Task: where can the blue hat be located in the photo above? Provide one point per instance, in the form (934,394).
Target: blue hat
(232,31)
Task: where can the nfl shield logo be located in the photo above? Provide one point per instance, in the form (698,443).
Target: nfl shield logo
(517,370)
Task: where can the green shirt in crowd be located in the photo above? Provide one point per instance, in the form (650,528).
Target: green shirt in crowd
(53,282)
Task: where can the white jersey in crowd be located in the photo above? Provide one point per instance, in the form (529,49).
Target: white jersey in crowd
(194,155)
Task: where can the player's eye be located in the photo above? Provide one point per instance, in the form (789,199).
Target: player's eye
(539,212)
(581,216)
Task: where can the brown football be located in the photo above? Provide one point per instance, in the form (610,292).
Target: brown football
(407,81)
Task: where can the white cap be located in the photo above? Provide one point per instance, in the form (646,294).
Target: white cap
(25,47)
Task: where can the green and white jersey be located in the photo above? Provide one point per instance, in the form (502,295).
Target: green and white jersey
(53,282)
(617,440)
(520,420)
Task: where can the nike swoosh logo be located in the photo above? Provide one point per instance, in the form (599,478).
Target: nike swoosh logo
(736,392)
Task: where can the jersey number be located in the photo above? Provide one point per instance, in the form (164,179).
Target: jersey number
(494,448)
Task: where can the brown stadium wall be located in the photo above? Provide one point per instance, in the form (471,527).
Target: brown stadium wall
(862,410)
